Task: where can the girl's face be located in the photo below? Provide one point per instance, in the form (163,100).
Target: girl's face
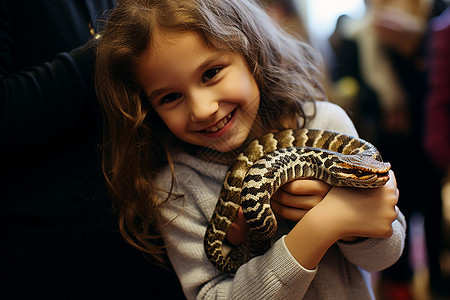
(205,97)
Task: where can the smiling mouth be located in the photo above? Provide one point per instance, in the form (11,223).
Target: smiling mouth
(221,124)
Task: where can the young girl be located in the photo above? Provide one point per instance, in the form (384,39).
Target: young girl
(185,85)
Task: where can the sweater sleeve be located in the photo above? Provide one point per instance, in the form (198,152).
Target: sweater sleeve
(374,254)
(274,275)
(329,116)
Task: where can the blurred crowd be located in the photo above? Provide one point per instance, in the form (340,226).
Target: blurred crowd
(390,71)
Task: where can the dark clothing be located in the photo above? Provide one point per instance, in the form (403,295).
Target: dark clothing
(437,117)
(437,123)
(58,235)
(422,193)
(366,112)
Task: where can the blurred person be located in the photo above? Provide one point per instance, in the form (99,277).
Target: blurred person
(285,13)
(437,114)
(58,239)
(387,50)
(350,89)
(437,137)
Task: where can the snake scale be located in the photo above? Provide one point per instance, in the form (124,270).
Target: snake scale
(273,160)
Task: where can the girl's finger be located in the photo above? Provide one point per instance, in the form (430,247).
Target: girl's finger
(238,231)
(306,186)
(296,201)
(288,213)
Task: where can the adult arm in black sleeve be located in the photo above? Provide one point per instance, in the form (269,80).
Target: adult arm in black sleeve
(42,102)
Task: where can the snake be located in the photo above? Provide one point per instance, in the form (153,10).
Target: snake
(275,159)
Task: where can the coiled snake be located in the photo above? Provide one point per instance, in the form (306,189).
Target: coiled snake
(273,160)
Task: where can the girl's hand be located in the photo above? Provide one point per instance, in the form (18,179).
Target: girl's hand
(343,213)
(362,212)
(237,234)
(294,199)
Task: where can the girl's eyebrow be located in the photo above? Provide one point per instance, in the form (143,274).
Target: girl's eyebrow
(209,61)
(200,69)
(156,92)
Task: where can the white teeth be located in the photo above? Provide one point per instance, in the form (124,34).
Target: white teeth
(219,125)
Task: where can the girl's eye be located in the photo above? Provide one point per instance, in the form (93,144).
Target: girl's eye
(208,75)
(169,98)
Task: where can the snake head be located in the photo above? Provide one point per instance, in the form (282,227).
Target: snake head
(360,171)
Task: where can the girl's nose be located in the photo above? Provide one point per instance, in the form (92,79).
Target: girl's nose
(203,106)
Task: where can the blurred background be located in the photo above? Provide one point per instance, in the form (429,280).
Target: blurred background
(386,62)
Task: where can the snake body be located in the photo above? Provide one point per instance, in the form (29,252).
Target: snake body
(273,160)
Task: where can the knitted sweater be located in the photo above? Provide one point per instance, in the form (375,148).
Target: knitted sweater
(341,274)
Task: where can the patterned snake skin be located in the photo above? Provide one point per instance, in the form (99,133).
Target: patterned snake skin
(273,160)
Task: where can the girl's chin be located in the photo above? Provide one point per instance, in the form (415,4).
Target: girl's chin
(226,145)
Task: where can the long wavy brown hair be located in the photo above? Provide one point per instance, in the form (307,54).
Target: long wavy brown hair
(135,139)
